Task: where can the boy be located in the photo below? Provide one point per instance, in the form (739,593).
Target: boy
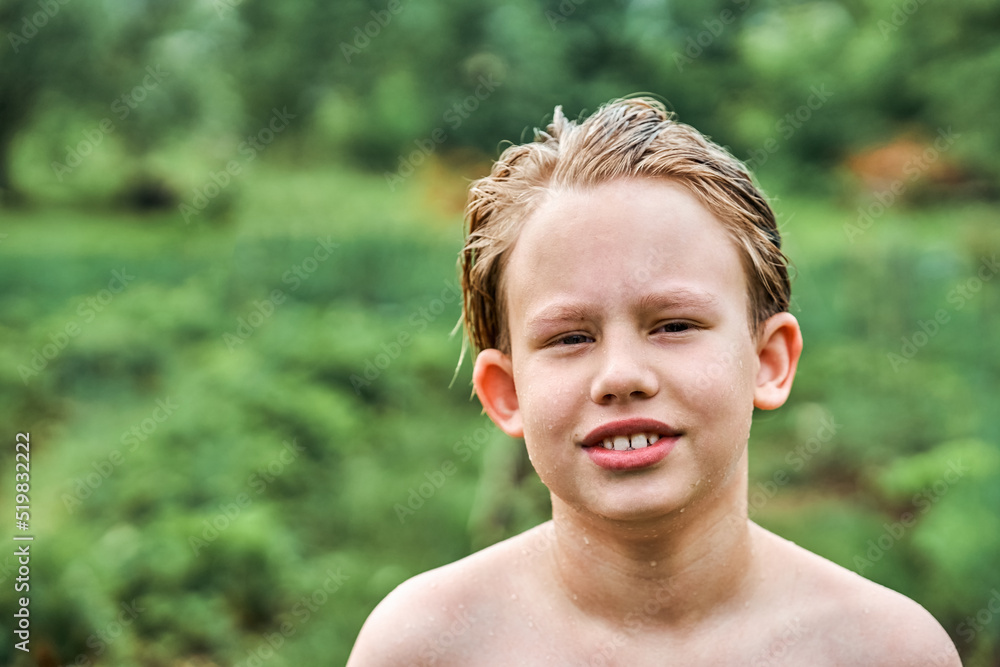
(625,288)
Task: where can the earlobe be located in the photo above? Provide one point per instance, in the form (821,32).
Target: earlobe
(778,351)
(493,379)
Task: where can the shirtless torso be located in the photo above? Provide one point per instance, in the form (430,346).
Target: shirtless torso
(509,605)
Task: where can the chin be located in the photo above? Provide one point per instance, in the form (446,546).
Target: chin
(634,505)
(641,515)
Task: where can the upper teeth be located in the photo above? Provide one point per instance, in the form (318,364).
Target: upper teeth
(636,441)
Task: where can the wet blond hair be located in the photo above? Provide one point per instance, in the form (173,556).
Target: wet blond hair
(626,138)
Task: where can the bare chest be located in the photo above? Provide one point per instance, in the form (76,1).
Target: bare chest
(539,642)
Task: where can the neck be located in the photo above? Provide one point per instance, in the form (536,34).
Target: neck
(671,571)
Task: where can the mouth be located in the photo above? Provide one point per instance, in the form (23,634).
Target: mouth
(623,443)
(631,443)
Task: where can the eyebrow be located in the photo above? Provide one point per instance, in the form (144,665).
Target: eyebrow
(677,298)
(560,314)
(556,315)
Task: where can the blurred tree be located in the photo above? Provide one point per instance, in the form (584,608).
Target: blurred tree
(368,80)
(143,72)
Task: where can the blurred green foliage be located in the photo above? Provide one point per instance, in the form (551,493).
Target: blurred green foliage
(282,463)
(366,79)
(243,445)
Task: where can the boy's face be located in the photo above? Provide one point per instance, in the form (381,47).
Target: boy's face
(628,300)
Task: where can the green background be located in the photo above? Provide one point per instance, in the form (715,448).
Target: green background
(223,446)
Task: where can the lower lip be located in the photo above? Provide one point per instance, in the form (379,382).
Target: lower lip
(631,459)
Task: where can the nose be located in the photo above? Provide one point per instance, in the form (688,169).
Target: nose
(624,372)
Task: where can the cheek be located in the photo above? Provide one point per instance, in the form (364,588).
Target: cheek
(546,396)
(535,402)
(548,411)
(721,389)
(547,416)
(719,372)
(720,408)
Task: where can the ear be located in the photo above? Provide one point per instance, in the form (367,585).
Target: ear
(493,379)
(778,351)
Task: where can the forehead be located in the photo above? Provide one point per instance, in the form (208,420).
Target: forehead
(622,240)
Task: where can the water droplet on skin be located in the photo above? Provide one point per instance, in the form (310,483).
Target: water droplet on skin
(682,510)
(586,541)
(574,596)
(652,563)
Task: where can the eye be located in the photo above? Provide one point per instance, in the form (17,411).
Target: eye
(574,339)
(675,327)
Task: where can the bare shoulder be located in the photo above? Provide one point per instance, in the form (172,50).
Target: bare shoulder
(445,615)
(853,620)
